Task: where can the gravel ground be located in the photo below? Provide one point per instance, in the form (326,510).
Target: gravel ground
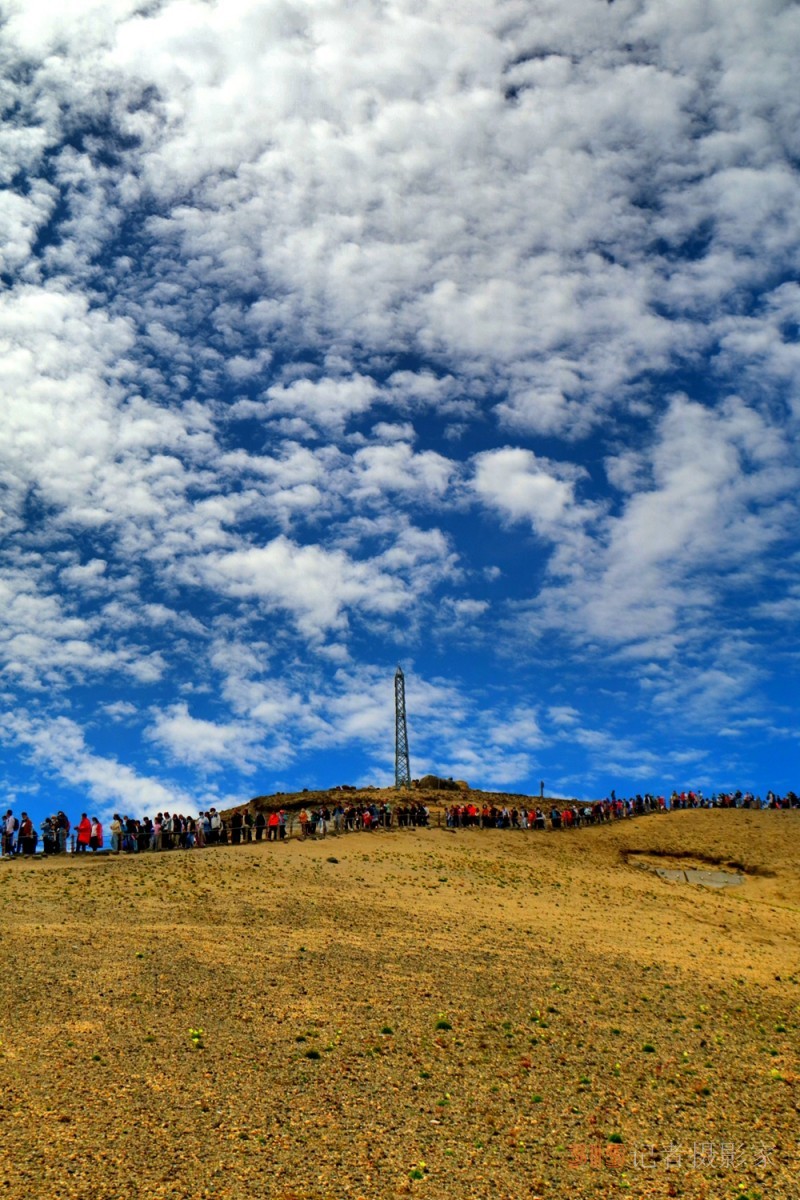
(420,1012)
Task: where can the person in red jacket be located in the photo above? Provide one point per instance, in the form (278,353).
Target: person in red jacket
(84,833)
(27,836)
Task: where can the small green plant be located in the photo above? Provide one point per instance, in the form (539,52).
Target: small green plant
(649,1048)
(443,1024)
(313,1054)
(196,1037)
(387,1029)
(616,1138)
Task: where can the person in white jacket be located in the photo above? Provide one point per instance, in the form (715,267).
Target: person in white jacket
(10,826)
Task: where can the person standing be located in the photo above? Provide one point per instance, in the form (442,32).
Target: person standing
(62,833)
(27,835)
(116,833)
(48,829)
(130,841)
(166,832)
(96,836)
(84,833)
(9,830)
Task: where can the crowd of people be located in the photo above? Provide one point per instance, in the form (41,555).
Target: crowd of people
(576,813)
(173,831)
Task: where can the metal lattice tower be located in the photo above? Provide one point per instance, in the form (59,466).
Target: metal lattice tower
(402,766)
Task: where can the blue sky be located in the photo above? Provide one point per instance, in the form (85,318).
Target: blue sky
(460,334)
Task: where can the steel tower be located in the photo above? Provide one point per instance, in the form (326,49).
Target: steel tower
(402,766)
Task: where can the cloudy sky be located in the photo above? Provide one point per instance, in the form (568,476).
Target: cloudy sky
(337,334)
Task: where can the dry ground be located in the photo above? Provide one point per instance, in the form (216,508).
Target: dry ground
(468,1014)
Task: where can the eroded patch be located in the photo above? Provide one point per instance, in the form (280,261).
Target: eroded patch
(688,867)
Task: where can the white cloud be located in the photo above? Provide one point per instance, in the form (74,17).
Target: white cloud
(316,586)
(383,469)
(327,402)
(208,744)
(59,746)
(46,644)
(119,710)
(524,487)
(720,498)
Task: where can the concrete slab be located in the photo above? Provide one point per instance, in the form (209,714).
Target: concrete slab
(715,879)
(705,878)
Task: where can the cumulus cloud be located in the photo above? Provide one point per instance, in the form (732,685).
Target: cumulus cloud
(316,586)
(720,497)
(59,748)
(209,744)
(327,402)
(523,487)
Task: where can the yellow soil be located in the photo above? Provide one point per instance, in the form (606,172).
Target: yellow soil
(318,985)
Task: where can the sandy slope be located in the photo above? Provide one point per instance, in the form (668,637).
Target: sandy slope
(553,958)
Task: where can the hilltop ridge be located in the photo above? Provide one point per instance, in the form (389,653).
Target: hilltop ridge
(448,792)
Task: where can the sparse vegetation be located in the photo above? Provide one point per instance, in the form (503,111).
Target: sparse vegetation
(507,1020)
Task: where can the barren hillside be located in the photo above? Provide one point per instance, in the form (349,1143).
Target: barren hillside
(414,1012)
